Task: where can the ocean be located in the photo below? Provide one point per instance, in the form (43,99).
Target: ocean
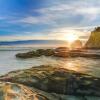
(8,62)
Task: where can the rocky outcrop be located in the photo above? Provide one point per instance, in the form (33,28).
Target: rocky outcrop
(37,53)
(15,91)
(94,40)
(77,44)
(58,52)
(61,52)
(56,80)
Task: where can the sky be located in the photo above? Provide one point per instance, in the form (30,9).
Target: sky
(47,19)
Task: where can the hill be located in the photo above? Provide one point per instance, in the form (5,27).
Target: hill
(30,42)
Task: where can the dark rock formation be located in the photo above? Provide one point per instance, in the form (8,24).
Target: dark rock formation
(94,40)
(28,54)
(56,80)
(61,49)
(61,52)
(37,53)
(58,52)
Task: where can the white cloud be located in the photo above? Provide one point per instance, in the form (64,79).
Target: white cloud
(45,19)
(14,38)
(53,14)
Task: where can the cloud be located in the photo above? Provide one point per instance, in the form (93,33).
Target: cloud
(20,37)
(37,20)
(53,34)
(61,33)
(63,14)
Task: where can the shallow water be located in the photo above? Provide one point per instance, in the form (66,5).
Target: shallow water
(8,62)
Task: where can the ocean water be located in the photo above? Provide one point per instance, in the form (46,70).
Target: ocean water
(8,62)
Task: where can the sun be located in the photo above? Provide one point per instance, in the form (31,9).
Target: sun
(71,37)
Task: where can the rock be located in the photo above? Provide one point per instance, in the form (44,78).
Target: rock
(14,91)
(85,55)
(94,40)
(77,44)
(58,52)
(77,53)
(61,49)
(46,52)
(28,54)
(61,52)
(49,52)
(56,80)
(37,53)
(40,51)
(70,97)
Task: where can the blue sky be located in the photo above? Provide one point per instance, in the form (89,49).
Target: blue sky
(47,19)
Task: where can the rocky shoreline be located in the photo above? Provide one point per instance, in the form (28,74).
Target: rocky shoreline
(56,83)
(15,91)
(58,52)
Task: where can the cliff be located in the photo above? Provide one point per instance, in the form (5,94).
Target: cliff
(94,40)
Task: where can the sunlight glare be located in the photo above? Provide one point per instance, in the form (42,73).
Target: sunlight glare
(71,37)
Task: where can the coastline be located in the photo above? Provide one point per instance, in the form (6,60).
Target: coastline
(51,81)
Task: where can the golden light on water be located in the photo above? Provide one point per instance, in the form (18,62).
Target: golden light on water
(75,66)
(72,66)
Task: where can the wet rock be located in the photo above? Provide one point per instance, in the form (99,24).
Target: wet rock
(61,52)
(28,54)
(61,49)
(14,91)
(49,52)
(58,52)
(37,53)
(57,80)
(40,51)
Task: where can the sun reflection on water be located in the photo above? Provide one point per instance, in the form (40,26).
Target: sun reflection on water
(72,66)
